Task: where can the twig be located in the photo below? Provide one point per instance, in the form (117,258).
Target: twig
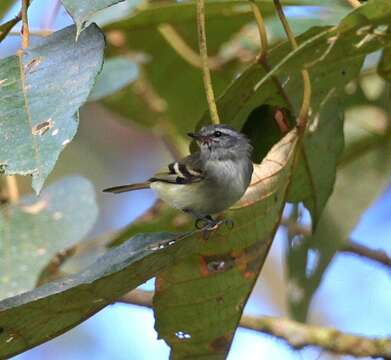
(7,27)
(25,25)
(204,58)
(296,334)
(12,189)
(350,246)
(183,49)
(379,256)
(303,114)
(261,29)
(354,3)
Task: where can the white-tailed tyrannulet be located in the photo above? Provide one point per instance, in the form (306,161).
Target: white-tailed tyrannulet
(207,181)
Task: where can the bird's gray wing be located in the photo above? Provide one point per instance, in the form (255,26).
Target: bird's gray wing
(186,171)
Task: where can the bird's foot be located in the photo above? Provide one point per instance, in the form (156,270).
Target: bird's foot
(209,224)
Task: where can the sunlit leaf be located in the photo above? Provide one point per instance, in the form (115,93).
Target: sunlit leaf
(39,315)
(41,90)
(198,302)
(35,229)
(116,74)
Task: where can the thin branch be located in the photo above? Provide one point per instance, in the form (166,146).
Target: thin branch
(12,189)
(297,335)
(25,25)
(7,27)
(261,29)
(303,114)
(350,246)
(183,49)
(214,115)
(379,256)
(354,3)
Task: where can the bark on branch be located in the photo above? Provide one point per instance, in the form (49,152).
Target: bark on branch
(296,334)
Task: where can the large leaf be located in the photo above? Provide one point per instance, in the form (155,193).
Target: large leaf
(362,177)
(81,11)
(198,302)
(41,90)
(34,230)
(39,315)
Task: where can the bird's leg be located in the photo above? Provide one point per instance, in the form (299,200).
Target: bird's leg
(209,224)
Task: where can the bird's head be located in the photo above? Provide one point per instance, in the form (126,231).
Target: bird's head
(222,141)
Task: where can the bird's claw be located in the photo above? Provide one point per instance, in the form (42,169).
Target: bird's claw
(208,224)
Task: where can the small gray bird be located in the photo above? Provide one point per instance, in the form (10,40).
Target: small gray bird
(207,181)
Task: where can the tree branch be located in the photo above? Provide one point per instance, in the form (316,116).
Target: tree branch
(350,246)
(297,335)
(25,24)
(379,256)
(303,114)
(214,115)
(300,335)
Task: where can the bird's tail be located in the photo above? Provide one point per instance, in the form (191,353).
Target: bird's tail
(129,187)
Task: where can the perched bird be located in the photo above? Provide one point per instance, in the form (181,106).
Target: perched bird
(207,181)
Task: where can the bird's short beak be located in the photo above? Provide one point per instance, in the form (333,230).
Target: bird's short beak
(194,136)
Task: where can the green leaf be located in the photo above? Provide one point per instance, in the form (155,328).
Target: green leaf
(81,11)
(199,301)
(384,68)
(5,5)
(116,73)
(333,57)
(39,315)
(359,182)
(41,90)
(36,229)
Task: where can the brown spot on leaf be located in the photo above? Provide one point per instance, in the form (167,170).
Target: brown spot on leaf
(210,265)
(42,127)
(220,344)
(32,65)
(159,282)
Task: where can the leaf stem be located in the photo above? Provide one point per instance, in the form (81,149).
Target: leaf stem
(204,61)
(12,189)
(303,114)
(25,25)
(296,334)
(261,29)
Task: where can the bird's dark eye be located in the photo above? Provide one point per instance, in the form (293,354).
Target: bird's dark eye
(217,134)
